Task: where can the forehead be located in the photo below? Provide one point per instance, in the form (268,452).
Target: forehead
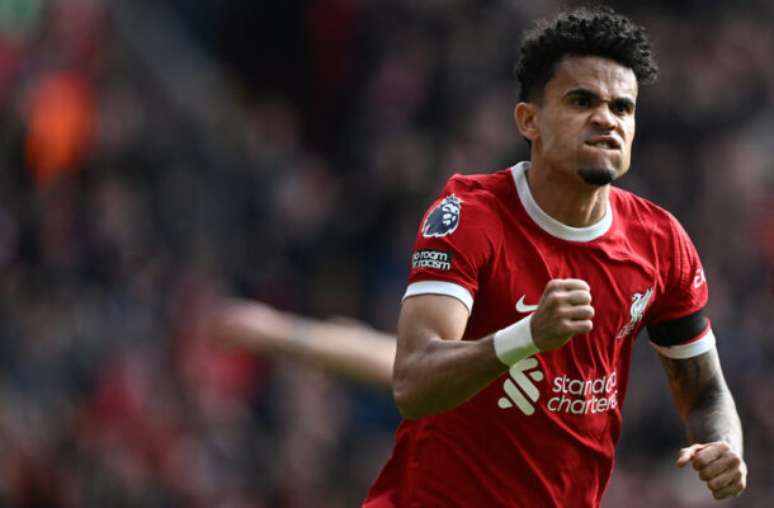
(606,78)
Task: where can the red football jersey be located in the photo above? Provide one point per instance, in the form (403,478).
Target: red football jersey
(544,433)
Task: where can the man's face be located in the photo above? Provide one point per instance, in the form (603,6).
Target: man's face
(584,125)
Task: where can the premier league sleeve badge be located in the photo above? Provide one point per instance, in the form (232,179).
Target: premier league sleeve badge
(444,218)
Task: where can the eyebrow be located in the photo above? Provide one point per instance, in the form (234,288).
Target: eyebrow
(586,93)
(581,92)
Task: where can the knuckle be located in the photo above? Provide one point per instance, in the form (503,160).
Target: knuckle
(715,483)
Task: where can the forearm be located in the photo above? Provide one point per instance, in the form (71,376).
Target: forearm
(713,417)
(709,413)
(443,374)
(704,401)
(353,351)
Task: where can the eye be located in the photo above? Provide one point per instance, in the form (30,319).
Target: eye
(622,107)
(581,101)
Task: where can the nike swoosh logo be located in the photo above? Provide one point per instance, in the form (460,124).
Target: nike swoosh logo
(520,307)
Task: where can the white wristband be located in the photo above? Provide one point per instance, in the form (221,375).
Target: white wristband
(514,343)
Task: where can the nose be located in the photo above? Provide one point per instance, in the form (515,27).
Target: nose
(602,118)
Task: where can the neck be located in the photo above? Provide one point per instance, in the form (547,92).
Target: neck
(566,198)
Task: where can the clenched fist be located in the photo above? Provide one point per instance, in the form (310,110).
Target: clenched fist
(564,310)
(718,465)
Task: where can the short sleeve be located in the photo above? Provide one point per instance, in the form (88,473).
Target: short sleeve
(676,322)
(456,240)
(685,286)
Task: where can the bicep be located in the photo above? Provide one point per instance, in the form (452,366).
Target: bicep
(427,317)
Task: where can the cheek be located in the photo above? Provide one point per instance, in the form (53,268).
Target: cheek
(559,136)
(555,145)
(630,134)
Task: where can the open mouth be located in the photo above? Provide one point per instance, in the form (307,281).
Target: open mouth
(607,143)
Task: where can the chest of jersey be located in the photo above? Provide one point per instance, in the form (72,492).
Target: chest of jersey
(622,274)
(587,376)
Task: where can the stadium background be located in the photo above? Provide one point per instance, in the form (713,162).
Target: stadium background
(154,153)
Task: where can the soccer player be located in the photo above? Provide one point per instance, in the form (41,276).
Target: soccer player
(528,287)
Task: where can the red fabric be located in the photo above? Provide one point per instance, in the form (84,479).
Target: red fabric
(488,451)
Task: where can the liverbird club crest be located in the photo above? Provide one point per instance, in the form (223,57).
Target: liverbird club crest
(639,304)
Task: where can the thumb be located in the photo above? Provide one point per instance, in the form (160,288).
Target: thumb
(686,454)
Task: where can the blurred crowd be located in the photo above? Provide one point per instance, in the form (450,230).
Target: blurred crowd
(156,154)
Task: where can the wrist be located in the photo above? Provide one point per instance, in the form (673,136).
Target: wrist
(514,343)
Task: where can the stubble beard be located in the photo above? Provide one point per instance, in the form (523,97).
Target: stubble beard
(596,176)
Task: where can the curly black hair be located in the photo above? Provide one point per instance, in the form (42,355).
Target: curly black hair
(585,31)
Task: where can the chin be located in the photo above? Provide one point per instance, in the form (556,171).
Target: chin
(597,176)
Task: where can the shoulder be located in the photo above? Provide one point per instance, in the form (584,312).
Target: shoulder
(639,213)
(658,231)
(485,185)
(470,202)
(483,191)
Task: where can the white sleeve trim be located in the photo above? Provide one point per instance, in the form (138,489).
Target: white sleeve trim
(437,287)
(683,351)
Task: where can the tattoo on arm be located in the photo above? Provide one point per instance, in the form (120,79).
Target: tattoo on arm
(703,399)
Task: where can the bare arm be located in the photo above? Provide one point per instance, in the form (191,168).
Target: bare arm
(350,350)
(703,400)
(436,371)
(707,409)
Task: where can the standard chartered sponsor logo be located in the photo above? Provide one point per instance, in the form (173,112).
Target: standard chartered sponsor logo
(569,395)
(584,396)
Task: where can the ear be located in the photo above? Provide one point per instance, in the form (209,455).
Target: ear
(525,116)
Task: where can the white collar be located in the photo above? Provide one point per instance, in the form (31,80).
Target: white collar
(548,223)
